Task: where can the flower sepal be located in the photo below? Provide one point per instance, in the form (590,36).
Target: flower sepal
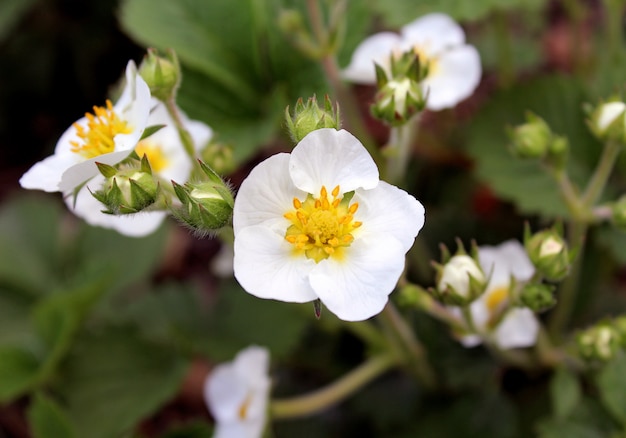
(161,73)
(538,297)
(206,205)
(309,117)
(129,190)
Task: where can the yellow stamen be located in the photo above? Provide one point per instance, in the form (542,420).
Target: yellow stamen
(156,157)
(102,127)
(496,299)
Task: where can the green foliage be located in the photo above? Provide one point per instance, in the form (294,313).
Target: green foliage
(558,100)
(612,386)
(565,391)
(18,371)
(47,419)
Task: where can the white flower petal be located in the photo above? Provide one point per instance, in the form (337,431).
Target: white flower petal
(509,259)
(90,210)
(455,76)
(134,103)
(225,391)
(265,266)
(388,209)
(518,329)
(327,157)
(377,48)
(46,174)
(358,287)
(433,33)
(266,195)
(81,172)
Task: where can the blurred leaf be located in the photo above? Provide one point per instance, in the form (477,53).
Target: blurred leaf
(193,430)
(560,428)
(47,419)
(397,13)
(614,240)
(15,319)
(112,380)
(11,11)
(558,100)
(29,244)
(18,372)
(565,391)
(240,319)
(611,382)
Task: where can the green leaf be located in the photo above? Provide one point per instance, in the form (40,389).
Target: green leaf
(18,372)
(614,240)
(400,12)
(112,380)
(560,428)
(558,100)
(15,319)
(611,382)
(565,391)
(240,319)
(47,419)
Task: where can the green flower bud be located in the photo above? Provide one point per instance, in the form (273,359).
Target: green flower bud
(531,139)
(460,281)
(600,342)
(161,73)
(608,121)
(129,190)
(310,117)
(398,101)
(219,157)
(538,297)
(549,253)
(206,205)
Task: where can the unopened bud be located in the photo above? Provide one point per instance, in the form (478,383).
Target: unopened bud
(600,342)
(309,117)
(398,101)
(161,73)
(608,120)
(127,191)
(549,253)
(538,297)
(531,139)
(460,280)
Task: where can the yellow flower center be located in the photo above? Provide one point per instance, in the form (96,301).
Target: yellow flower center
(245,406)
(320,227)
(430,64)
(496,299)
(154,152)
(102,126)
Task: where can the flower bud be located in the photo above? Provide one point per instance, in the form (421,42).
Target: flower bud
(549,253)
(398,101)
(310,117)
(127,191)
(460,280)
(538,297)
(206,205)
(600,342)
(608,121)
(531,139)
(161,73)
(219,157)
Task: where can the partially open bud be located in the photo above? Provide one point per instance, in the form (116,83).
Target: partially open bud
(161,73)
(549,253)
(538,297)
(127,191)
(310,117)
(600,342)
(460,280)
(531,139)
(608,121)
(206,205)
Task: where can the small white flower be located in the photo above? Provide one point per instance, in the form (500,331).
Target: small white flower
(107,136)
(237,394)
(457,273)
(454,68)
(519,326)
(319,224)
(168,160)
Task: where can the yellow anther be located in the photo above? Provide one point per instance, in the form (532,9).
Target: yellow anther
(323,192)
(335,192)
(296,203)
(357,224)
(353,208)
(290,239)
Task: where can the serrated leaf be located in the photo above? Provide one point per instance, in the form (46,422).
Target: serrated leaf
(565,392)
(47,419)
(558,100)
(114,379)
(611,382)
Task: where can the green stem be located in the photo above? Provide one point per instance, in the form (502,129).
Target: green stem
(601,175)
(570,194)
(400,141)
(414,352)
(184,135)
(334,393)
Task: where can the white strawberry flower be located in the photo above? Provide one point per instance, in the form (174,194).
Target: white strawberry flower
(237,394)
(454,68)
(319,224)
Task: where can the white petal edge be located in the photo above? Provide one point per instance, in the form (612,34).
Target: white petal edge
(388,209)
(518,329)
(327,157)
(377,48)
(433,33)
(266,195)
(46,174)
(358,287)
(503,261)
(265,266)
(456,75)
